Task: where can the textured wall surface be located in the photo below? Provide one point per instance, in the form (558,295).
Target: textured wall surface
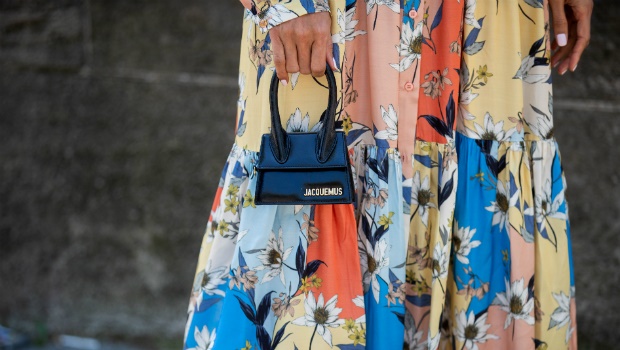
(116,117)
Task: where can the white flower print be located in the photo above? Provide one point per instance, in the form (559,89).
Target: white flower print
(321,315)
(421,196)
(392,5)
(391,120)
(270,18)
(294,79)
(433,342)
(440,261)
(546,206)
(190,317)
(527,235)
(347,27)
(463,243)
(241,100)
(491,131)
(415,341)
(467,95)
(531,74)
(321,5)
(561,315)
(359,302)
(515,302)
(373,260)
(413,337)
(410,47)
(470,8)
(502,203)
(542,126)
(472,331)
(296,123)
(204,340)
(298,208)
(209,280)
(241,235)
(241,105)
(465,98)
(272,258)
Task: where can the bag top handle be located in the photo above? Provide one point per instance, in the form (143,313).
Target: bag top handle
(326,137)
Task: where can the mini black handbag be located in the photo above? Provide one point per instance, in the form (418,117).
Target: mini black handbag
(304,167)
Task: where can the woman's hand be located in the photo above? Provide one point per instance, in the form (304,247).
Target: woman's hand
(302,45)
(571,25)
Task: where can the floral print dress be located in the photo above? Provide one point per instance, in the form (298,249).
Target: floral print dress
(459,234)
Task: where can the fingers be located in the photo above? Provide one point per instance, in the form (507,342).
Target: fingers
(290,51)
(560,23)
(562,63)
(304,40)
(302,45)
(319,56)
(582,15)
(279,58)
(577,15)
(558,60)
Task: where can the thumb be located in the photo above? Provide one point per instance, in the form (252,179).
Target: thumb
(560,24)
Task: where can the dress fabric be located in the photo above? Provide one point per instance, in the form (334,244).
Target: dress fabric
(459,235)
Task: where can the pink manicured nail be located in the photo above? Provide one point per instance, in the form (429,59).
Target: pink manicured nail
(564,71)
(284,82)
(561,38)
(574,68)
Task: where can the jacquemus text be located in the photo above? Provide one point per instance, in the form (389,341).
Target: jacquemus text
(326,191)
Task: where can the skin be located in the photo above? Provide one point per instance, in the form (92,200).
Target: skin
(304,44)
(572,18)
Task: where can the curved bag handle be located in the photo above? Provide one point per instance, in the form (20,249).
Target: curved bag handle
(326,137)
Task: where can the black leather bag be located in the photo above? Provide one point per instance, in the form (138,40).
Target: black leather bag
(304,168)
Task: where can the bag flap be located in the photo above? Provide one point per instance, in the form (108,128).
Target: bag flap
(303,153)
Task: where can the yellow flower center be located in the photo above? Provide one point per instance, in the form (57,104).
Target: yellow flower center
(372,263)
(416,45)
(502,202)
(457,242)
(347,125)
(471,331)
(321,315)
(515,305)
(424,196)
(488,135)
(274,257)
(436,266)
(205,279)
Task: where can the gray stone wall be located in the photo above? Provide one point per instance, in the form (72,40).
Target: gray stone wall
(107,174)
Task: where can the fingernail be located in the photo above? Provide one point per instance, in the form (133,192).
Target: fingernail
(574,68)
(561,38)
(335,65)
(556,63)
(564,71)
(284,82)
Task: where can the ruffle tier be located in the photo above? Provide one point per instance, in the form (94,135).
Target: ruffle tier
(467,254)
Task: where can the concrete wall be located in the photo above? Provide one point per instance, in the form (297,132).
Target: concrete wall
(107,176)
